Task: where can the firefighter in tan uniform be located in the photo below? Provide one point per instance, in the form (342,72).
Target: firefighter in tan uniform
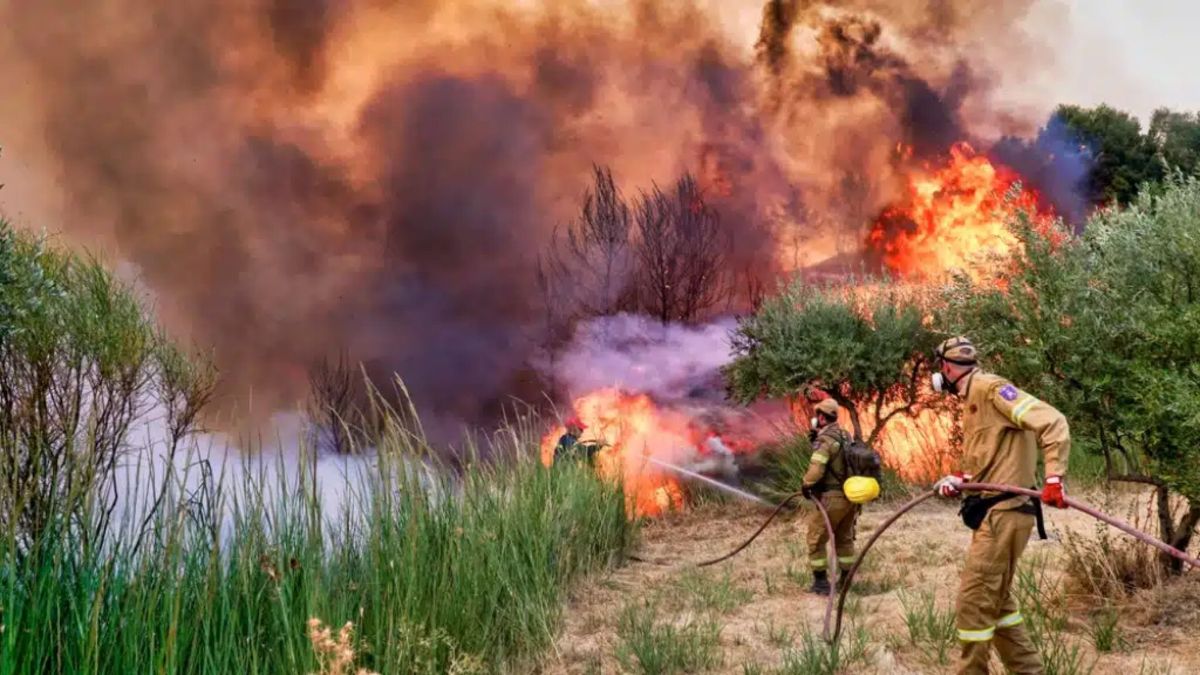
(1003,430)
(823,480)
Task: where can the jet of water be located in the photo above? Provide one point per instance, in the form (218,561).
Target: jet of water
(715,483)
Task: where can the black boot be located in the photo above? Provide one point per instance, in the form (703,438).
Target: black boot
(820,585)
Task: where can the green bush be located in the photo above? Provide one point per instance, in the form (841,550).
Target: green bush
(80,363)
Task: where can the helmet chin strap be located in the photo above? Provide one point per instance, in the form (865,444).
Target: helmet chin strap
(949,386)
(955,381)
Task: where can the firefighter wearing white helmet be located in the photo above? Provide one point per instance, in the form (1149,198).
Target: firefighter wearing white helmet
(1003,429)
(827,471)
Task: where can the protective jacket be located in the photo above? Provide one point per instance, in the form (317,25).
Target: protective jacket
(827,468)
(826,473)
(1003,427)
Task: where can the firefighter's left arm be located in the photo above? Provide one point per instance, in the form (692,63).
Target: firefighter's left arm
(820,458)
(1028,412)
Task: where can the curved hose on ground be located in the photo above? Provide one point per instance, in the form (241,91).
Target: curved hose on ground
(754,536)
(831,555)
(992,487)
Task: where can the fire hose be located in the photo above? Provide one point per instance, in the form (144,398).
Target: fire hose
(831,544)
(974,487)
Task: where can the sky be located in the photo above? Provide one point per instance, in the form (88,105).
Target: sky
(1133,55)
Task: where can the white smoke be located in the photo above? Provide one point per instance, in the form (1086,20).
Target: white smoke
(636,353)
(282,467)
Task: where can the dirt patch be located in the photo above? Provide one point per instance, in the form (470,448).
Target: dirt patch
(767,620)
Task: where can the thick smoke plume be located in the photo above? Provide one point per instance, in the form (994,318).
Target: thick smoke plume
(294,179)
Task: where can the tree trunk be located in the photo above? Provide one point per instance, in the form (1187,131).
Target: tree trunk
(1182,536)
(848,405)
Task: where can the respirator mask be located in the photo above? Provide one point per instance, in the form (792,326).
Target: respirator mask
(942,384)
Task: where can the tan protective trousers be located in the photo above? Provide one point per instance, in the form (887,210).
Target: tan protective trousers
(987,611)
(843,515)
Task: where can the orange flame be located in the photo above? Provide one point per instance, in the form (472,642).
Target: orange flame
(631,429)
(954,218)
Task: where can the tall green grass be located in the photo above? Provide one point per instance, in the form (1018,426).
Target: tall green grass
(465,573)
(164,560)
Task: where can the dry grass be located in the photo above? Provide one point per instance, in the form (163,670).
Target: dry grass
(1107,565)
(334,651)
(777,630)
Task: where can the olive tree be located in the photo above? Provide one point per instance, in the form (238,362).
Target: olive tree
(868,347)
(1108,327)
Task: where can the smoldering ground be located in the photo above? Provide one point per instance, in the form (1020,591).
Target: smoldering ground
(298,179)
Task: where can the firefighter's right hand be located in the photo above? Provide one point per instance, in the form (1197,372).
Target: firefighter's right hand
(951,485)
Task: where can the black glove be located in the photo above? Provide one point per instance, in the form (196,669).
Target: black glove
(807,492)
(812,436)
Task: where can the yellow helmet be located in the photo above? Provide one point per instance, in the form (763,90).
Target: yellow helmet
(861,489)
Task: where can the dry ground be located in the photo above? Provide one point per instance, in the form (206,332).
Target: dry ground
(752,615)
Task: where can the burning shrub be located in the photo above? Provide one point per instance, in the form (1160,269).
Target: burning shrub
(953,218)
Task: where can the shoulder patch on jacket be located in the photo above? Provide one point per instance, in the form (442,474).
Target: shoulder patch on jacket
(1008,392)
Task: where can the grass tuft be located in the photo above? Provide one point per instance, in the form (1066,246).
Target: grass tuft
(438,572)
(709,593)
(651,646)
(930,628)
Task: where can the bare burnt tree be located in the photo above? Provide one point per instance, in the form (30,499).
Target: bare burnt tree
(557,309)
(591,265)
(853,198)
(333,403)
(753,286)
(682,252)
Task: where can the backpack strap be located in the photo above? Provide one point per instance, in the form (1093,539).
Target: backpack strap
(842,439)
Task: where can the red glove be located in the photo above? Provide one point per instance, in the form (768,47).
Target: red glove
(1053,493)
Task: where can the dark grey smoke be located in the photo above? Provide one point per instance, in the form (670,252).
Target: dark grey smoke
(453,300)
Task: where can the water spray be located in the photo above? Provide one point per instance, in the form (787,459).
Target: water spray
(711,481)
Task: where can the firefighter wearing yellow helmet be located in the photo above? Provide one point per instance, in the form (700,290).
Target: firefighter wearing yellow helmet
(1003,430)
(827,471)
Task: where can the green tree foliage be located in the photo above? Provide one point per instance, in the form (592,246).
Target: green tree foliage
(1108,328)
(1177,137)
(80,362)
(1122,158)
(867,351)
